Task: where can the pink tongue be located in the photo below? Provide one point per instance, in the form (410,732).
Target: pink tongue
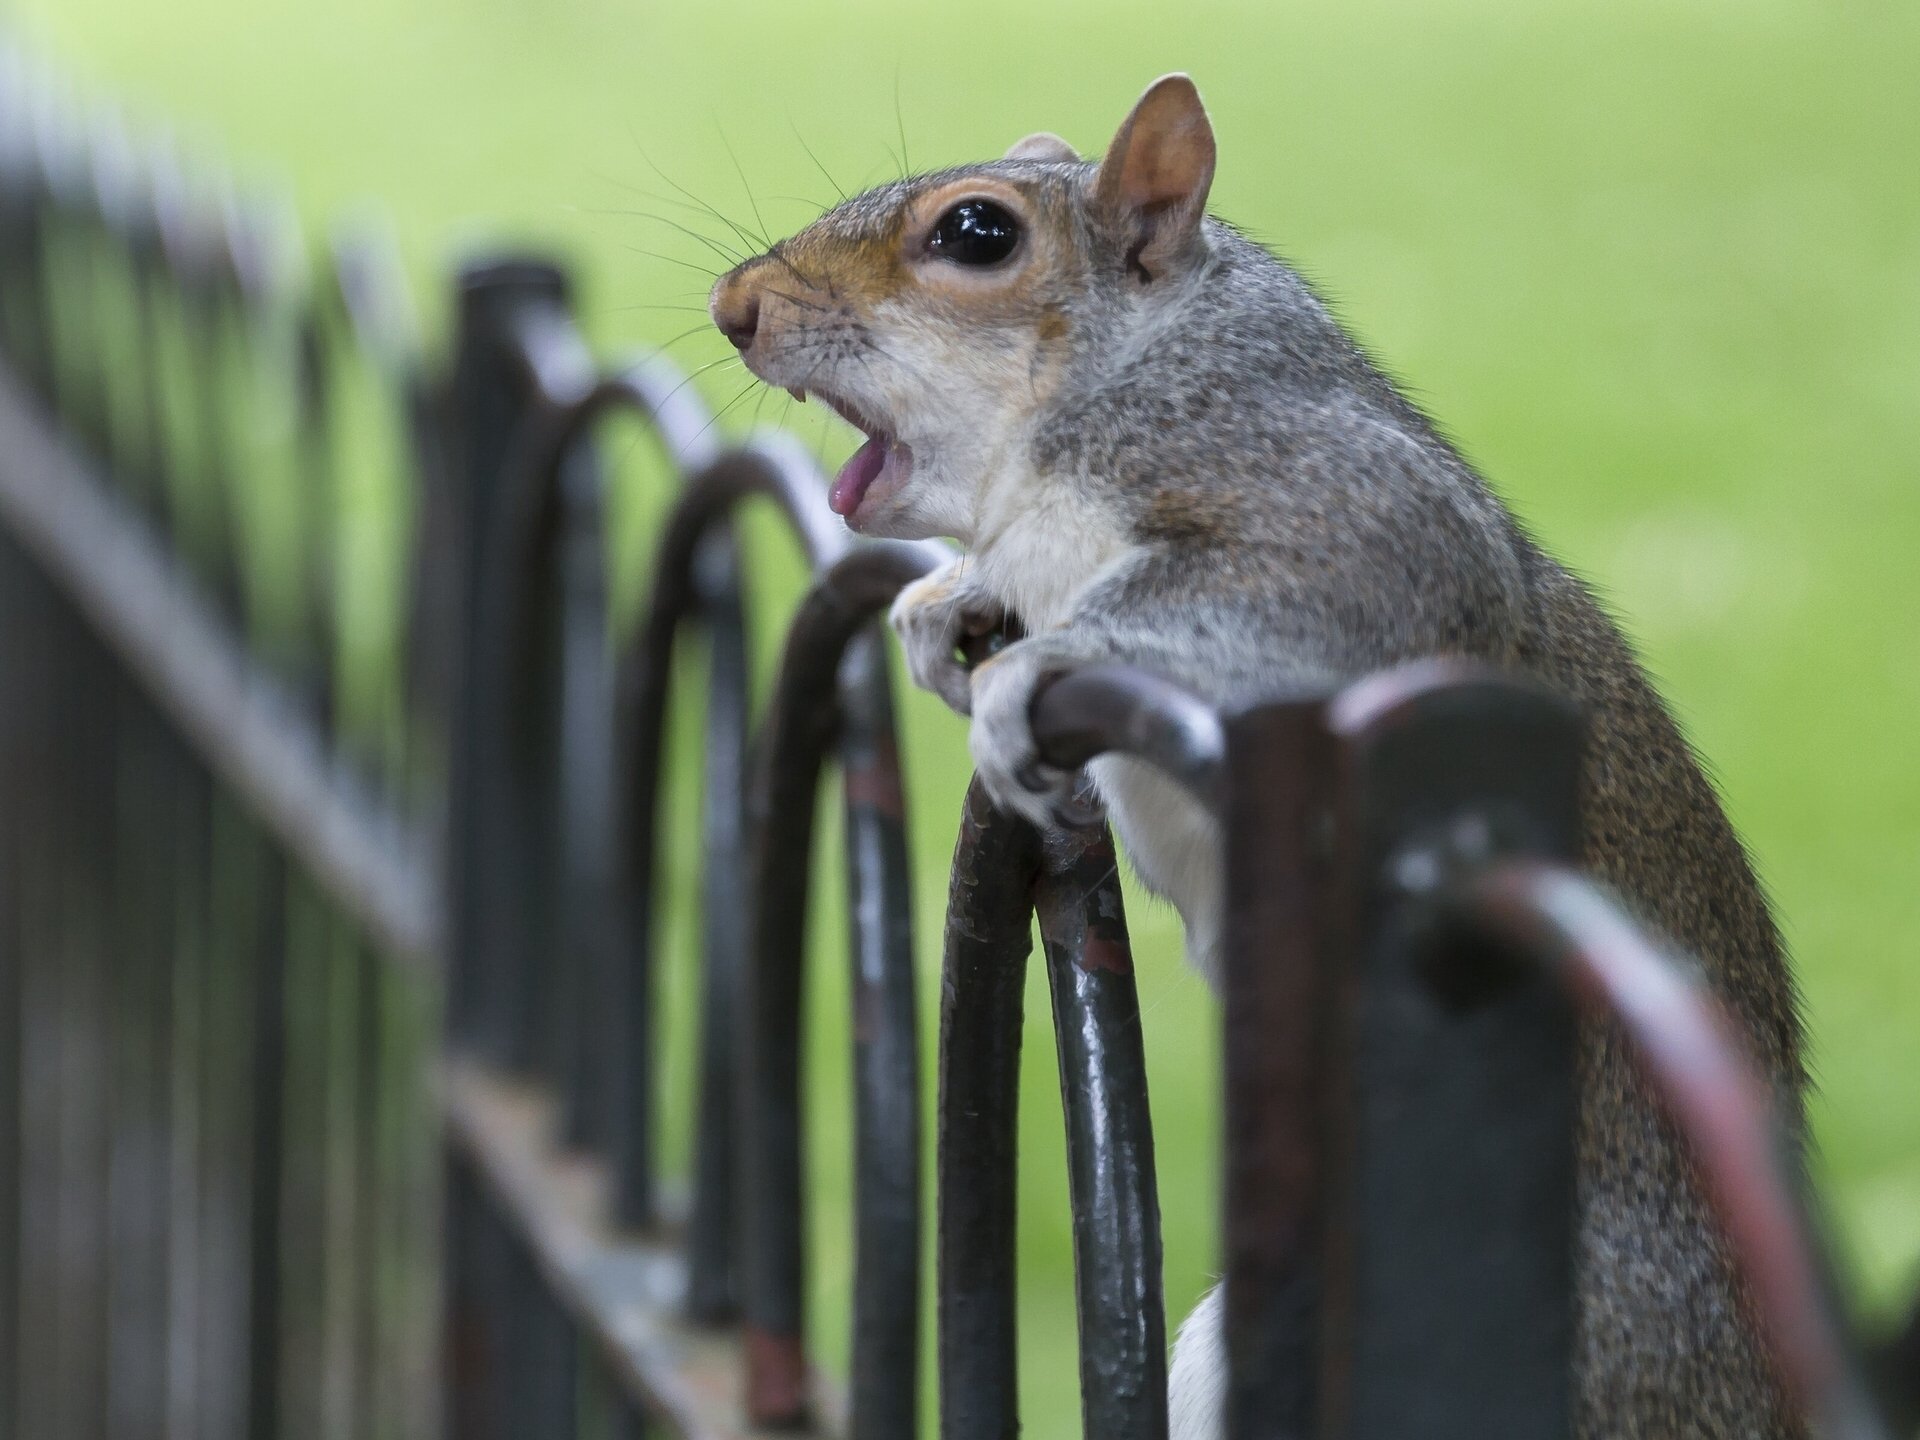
(850,485)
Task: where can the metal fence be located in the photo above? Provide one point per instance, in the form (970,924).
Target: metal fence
(329,1013)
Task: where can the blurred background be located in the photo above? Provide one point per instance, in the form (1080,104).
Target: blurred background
(1654,264)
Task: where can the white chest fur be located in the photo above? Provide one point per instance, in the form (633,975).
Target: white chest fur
(1037,550)
(1038,545)
(1174,845)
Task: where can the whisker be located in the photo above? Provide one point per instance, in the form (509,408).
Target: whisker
(796,300)
(758,219)
(805,279)
(900,126)
(815,159)
(695,374)
(807,200)
(675,260)
(756,242)
(738,395)
(683,309)
(696,205)
(706,329)
(725,252)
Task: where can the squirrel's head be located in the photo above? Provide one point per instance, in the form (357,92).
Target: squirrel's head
(938,314)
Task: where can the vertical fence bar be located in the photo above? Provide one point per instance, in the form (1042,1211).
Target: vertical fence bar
(887,1243)
(1398,1106)
(1461,1068)
(12,747)
(833,676)
(988,938)
(1273,1006)
(786,790)
(500,815)
(138,1188)
(586,939)
(488,407)
(85,944)
(266,1210)
(379,1077)
(725,931)
(1110,1170)
(473,1364)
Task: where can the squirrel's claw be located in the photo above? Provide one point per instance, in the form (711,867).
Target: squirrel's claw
(1004,754)
(938,616)
(1081,810)
(931,616)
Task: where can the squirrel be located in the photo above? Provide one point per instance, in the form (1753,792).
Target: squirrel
(1159,448)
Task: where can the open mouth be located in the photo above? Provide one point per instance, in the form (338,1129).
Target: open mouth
(880,464)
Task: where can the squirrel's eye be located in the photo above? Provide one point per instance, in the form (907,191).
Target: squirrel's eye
(975,232)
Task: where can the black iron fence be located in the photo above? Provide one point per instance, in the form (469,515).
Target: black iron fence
(328,1004)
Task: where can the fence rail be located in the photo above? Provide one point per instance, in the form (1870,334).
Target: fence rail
(329,1009)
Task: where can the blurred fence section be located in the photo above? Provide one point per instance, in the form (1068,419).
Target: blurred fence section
(218,944)
(330,850)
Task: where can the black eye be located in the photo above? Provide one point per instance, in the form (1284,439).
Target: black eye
(975,232)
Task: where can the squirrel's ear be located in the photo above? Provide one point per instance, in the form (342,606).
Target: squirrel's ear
(1156,173)
(1043,146)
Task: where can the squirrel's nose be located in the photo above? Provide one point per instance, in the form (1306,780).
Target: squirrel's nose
(735,307)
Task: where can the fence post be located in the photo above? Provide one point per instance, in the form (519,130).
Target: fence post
(490,402)
(1400,1106)
(492,397)
(982,985)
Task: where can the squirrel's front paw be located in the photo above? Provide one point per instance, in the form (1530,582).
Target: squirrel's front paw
(931,617)
(1004,753)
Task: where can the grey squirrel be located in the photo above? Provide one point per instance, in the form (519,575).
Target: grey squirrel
(1160,449)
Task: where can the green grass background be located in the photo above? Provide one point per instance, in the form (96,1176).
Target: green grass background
(1654,263)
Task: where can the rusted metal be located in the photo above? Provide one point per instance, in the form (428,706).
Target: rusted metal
(1690,1049)
(1448,1071)
(883,1386)
(1274,1005)
(1089,712)
(833,687)
(982,982)
(725,932)
(706,501)
(1110,1171)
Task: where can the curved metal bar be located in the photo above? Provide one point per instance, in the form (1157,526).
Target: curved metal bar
(369,286)
(884,1384)
(982,984)
(610,1081)
(658,390)
(726,900)
(352,311)
(777,471)
(542,711)
(833,685)
(1693,1054)
(1108,708)
(1110,1171)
